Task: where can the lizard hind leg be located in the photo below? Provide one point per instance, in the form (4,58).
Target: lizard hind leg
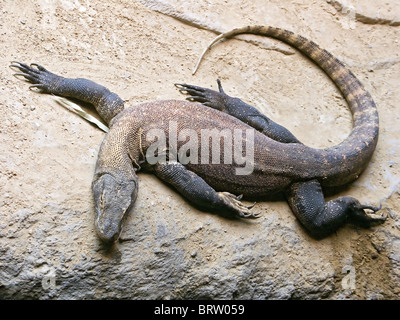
(239,109)
(322,218)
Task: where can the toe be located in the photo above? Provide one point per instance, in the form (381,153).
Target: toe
(38,66)
(185,87)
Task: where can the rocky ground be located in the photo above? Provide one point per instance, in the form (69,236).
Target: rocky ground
(168,249)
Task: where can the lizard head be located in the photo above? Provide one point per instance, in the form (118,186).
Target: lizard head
(113,198)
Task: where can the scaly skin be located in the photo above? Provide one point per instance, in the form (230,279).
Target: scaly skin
(281,162)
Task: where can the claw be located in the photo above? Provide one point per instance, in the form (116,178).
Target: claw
(251,206)
(184,86)
(40,68)
(19,74)
(15,61)
(28,73)
(38,86)
(358,214)
(372,208)
(197,99)
(28,78)
(255,216)
(35,74)
(180,86)
(22,67)
(16,64)
(220,86)
(238,207)
(189,91)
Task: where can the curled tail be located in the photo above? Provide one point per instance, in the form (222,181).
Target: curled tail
(348,159)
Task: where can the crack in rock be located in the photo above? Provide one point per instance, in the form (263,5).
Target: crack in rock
(361,13)
(386,64)
(197,20)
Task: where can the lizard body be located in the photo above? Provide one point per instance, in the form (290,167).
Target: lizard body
(280,162)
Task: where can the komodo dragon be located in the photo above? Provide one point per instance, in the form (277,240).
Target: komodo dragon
(281,162)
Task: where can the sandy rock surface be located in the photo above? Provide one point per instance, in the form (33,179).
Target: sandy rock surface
(168,249)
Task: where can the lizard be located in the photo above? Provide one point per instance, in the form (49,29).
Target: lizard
(282,164)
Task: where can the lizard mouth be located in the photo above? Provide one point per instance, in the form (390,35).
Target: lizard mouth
(113,200)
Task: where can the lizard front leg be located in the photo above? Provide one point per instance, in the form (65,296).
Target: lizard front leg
(322,218)
(239,109)
(199,193)
(107,103)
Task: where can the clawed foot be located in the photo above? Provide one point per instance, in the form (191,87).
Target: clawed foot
(36,74)
(233,203)
(207,97)
(358,215)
